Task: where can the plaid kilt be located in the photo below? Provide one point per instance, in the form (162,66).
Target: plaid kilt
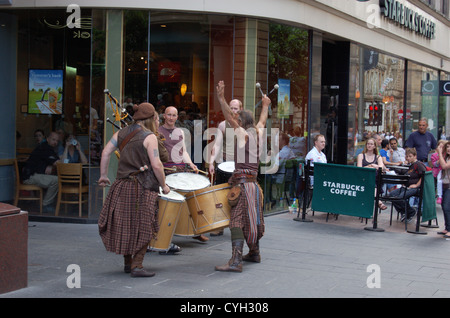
(239,214)
(129,217)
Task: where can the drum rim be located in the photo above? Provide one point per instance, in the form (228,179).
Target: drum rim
(166,198)
(206,192)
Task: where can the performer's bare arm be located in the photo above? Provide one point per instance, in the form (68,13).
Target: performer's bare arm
(226,110)
(151,144)
(186,157)
(264,112)
(110,147)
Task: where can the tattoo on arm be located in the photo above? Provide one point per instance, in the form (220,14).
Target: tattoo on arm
(155,153)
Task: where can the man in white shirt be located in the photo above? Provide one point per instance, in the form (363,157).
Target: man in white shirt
(397,154)
(316,154)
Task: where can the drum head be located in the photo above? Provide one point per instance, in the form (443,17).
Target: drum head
(226,166)
(171,196)
(187,182)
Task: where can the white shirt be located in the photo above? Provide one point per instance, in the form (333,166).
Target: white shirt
(316,156)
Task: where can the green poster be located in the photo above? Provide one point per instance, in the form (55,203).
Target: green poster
(344,189)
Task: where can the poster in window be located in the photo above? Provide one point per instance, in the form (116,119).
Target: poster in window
(169,72)
(45,91)
(284,98)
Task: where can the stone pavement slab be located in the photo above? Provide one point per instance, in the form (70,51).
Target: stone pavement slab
(299,260)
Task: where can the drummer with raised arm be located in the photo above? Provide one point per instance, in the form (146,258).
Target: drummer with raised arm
(174,141)
(224,146)
(129,217)
(247,220)
(221,144)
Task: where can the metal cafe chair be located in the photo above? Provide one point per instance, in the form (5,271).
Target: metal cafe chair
(399,180)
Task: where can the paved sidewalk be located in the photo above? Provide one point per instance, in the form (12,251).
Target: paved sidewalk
(318,259)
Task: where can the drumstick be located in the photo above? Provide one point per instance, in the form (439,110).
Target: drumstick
(201,171)
(171,169)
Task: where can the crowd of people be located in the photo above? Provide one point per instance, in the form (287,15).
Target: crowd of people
(128,220)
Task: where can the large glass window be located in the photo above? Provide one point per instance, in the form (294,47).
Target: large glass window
(422,99)
(444,112)
(47,44)
(136,57)
(288,64)
(377,88)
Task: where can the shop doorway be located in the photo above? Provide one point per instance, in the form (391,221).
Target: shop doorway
(334,99)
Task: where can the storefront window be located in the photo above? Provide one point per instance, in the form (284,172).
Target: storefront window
(377,90)
(423,98)
(288,64)
(136,57)
(48,47)
(444,112)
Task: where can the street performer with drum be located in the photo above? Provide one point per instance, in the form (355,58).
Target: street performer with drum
(129,218)
(247,220)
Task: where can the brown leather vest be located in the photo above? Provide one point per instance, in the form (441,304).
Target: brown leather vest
(134,156)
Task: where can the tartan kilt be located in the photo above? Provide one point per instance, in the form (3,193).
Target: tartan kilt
(129,217)
(239,214)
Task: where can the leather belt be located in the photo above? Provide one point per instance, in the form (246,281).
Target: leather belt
(242,178)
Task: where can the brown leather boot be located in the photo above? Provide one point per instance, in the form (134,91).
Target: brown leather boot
(235,263)
(127,263)
(253,254)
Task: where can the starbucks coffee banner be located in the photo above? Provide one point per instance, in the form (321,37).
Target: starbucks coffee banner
(344,190)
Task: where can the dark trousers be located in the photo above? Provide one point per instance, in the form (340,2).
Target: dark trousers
(400,205)
(446,208)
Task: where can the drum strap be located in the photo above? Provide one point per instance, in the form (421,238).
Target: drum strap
(128,138)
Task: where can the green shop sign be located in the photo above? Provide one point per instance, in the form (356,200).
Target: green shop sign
(408,18)
(344,190)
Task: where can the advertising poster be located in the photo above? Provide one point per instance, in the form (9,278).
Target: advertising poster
(45,88)
(284,98)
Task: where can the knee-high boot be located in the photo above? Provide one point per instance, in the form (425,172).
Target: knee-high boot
(253,254)
(235,263)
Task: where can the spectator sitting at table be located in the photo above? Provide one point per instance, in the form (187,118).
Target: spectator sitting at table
(284,154)
(316,154)
(369,158)
(414,171)
(298,143)
(39,168)
(72,151)
(39,136)
(396,153)
(384,151)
